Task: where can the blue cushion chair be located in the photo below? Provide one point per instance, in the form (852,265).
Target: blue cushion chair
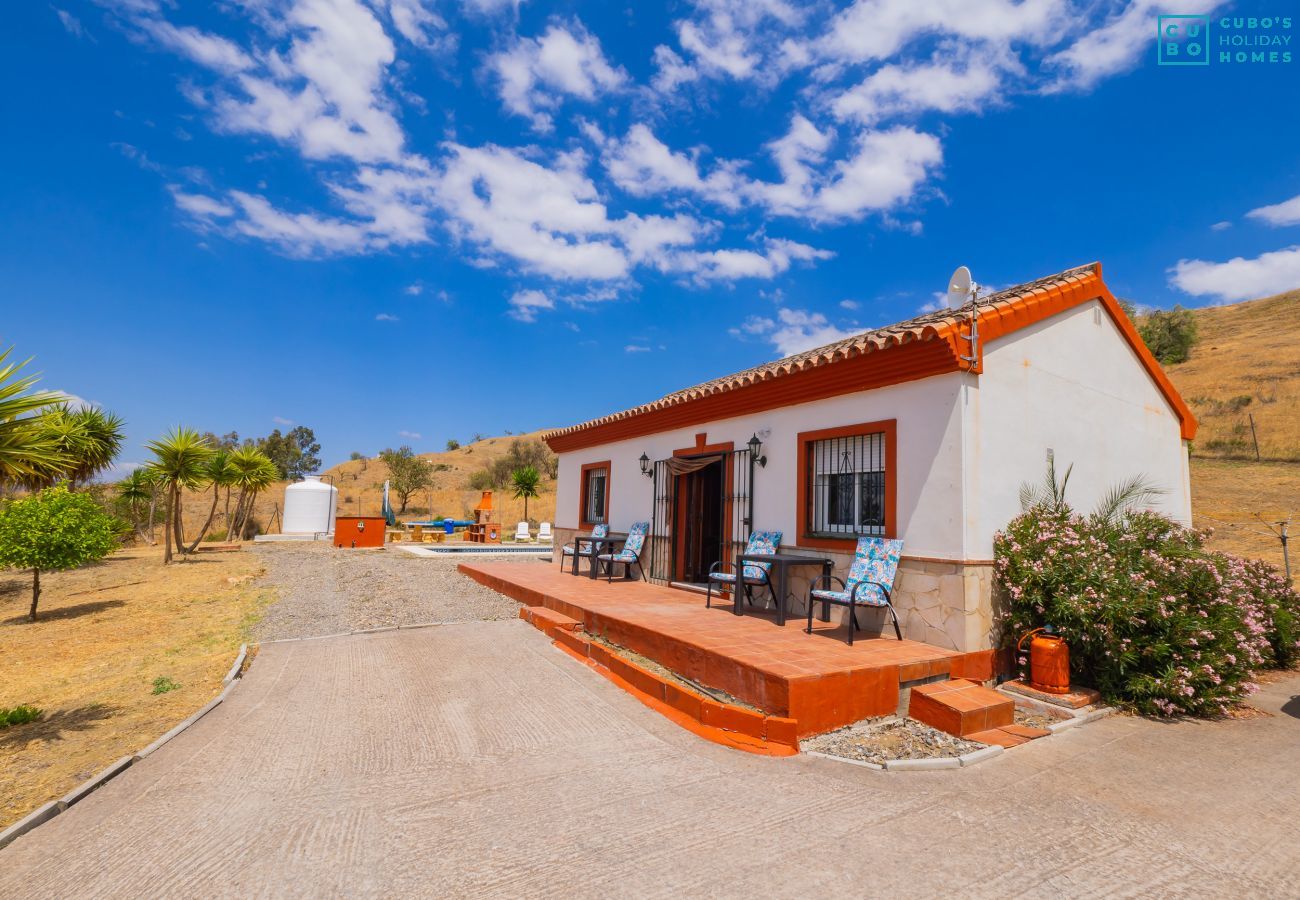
(871,578)
(573,548)
(630,554)
(755,574)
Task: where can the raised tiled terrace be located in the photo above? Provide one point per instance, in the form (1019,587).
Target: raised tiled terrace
(817,679)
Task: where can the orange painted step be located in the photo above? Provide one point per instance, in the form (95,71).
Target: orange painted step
(548,621)
(960,707)
(1009,736)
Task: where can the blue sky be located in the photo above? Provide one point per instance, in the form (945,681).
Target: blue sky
(399,221)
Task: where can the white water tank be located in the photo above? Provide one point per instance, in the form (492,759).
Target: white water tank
(309,506)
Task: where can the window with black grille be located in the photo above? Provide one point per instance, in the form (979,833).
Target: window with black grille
(594,491)
(846,486)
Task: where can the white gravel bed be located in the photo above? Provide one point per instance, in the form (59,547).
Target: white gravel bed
(888,738)
(322,590)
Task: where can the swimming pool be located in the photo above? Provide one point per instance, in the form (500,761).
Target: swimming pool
(466,549)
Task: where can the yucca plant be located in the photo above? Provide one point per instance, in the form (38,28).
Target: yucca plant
(221,473)
(25,451)
(88,438)
(254,473)
(180,464)
(138,491)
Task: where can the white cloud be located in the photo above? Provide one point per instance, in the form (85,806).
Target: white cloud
(795,330)
(410,435)
(849,304)
(281,420)
(946,84)
(883,169)
(879,29)
(200,206)
(938,300)
(737,39)
(1220,226)
(524,305)
(730,265)
(413,290)
(209,50)
(1119,43)
(386,317)
(1285,213)
(70,23)
(419,23)
(636,348)
(549,220)
(1239,278)
(534,74)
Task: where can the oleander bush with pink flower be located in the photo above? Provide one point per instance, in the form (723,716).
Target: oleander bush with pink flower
(1153,619)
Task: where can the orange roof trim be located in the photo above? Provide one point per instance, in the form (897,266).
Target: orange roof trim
(918,348)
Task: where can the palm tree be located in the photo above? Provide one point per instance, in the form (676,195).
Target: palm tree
(25,452)
(180,461)
(220,472)
(88,438)
(254,473)
(526,482)
(136,490)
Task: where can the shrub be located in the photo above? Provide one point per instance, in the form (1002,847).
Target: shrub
(18,715)
(1170,334)
(162,684)
(1152,619)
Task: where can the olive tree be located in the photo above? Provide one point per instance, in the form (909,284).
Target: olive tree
(54,530)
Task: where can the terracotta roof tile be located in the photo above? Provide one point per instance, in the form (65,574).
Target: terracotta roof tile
(922,328)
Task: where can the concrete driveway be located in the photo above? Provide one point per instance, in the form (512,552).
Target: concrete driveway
(477,759)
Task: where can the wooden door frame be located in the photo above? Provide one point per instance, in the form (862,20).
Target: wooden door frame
(725,451)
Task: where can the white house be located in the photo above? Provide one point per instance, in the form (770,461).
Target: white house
(914,431)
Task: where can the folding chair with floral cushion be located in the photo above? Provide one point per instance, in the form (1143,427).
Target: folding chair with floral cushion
(756,574)
(572,549)
(871,578)
(630,554)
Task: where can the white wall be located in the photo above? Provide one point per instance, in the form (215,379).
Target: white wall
(1070,383)
(929,447)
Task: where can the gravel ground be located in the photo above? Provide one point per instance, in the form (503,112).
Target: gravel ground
(322,590)
(889,737)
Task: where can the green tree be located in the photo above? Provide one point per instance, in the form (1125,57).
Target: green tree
(294,453)
(407,473)
(26,452)
(452,444)
(1169,334)
(54,530)
(254,473)
(180,464)
(526,482)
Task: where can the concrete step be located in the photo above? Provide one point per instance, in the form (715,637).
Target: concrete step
(961,707)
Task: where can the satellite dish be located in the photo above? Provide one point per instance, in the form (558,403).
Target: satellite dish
(960,288)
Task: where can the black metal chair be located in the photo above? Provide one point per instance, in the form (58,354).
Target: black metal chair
(573,548)
(755,574)
(871,577)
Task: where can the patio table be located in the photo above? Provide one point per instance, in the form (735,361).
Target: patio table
(596,544)
(781,563)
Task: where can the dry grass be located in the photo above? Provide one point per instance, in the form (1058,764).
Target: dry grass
(104,634)
(1226,495)
(1245,364)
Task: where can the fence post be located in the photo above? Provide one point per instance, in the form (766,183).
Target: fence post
(1254,437)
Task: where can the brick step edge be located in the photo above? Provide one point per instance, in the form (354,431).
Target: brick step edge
(722,723)
(47,811)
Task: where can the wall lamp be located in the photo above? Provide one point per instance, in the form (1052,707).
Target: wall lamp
(755,447)
(645,466)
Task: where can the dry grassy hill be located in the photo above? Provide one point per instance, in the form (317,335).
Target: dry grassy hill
(361,484)
(1246,365)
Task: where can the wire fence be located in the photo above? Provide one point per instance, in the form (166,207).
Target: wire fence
(1268,530)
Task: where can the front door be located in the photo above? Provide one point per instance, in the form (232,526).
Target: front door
(700,521)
